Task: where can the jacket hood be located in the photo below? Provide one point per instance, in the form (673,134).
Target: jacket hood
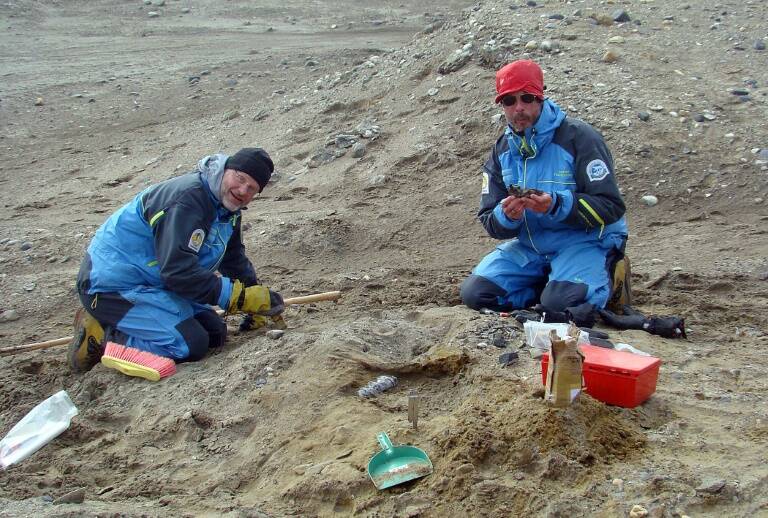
(211,170)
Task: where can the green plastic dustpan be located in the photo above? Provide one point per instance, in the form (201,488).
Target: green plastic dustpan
(394,465)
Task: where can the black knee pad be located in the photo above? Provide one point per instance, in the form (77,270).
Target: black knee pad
(478,292)
(196,337)
(215,326)
(558,295)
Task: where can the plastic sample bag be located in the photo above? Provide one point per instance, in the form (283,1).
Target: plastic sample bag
(537,336)
(39,427)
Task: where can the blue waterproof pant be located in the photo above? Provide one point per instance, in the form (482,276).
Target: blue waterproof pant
(158,321)
(514,276)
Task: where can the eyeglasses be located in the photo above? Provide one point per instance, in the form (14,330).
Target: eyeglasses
(510,100)
(243,180)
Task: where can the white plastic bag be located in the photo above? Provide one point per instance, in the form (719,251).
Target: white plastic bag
(537,336)
(628,348)
(39,427)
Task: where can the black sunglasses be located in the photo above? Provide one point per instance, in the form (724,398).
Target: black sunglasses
(510,100)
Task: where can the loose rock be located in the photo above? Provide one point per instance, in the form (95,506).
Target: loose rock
(73,497)
(650,200)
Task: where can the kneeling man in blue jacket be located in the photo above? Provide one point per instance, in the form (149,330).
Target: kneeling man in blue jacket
(156,267)
(549,191)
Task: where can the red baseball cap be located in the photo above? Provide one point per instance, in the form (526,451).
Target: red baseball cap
(522,75)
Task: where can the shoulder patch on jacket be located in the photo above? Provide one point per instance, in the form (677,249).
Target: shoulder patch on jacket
(597,170)
(486,184)
(196,239)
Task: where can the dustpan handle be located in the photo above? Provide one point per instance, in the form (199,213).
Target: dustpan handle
(384,441)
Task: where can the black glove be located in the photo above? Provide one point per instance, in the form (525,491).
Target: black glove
(583,315)
(626,321)
(550,316)
(524,315)
(668,327)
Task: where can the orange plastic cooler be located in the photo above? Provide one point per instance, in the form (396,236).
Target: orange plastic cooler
(615,377)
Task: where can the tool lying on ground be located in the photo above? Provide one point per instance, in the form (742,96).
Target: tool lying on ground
(486,311)
(306,299)
(397,464)
(668,327)
(137,363)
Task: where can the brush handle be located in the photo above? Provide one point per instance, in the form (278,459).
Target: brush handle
(306,299)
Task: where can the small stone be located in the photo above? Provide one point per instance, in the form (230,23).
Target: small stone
(758,45)
(73,497)
(185,10)
(620,16)
(638,511)
(618,483)
(556,16)
(378,179)
(275,334)
(644,116)
(26,245)
(546,46)
(499,341)
(153,14)
(39,101)
(709,116)
(650,200)
(508,358)
(498,119)
(230,115)
(610,57)
(9,315)
(433,92)
(698,117)
(531,45)
(711,485)
(616,39)
(159,3)
(358,150)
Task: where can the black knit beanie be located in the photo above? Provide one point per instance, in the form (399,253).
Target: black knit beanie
(254,162)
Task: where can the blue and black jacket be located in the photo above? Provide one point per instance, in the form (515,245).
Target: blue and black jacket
(566,158)
(175,236)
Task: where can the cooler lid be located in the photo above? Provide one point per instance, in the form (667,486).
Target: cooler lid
(609,359)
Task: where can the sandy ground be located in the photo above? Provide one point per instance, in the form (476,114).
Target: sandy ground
(100,99)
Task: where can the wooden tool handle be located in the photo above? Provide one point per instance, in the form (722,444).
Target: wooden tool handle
(306,299)
(317,297)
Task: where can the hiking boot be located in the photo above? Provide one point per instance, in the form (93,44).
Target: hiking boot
(621,290)
(87,345)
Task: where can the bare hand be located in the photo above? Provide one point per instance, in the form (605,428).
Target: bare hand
(513,207)
(538,202)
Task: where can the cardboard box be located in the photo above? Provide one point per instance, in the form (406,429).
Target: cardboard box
(615,377)
(564,382)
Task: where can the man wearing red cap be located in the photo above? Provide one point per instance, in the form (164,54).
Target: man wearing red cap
(550,192)
(149,276)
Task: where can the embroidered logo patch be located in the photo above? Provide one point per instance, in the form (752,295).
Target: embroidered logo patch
(597,170)
(486,182)
(196,239)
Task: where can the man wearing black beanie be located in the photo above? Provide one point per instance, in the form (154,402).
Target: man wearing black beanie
(156,267)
